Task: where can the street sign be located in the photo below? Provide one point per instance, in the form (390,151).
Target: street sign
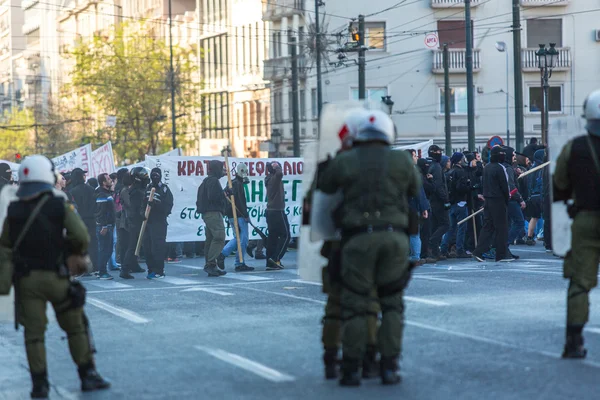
(495,140)
(432,41)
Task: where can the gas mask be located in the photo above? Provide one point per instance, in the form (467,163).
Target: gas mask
(242,172)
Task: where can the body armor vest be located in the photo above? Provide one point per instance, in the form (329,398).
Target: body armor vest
(584,175)
(43,245)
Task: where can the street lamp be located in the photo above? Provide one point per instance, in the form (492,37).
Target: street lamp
(276,140)
(503,48)
(387,100)
(546,63)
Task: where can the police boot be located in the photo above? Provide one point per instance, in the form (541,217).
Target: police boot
(350,372)
(370,366)
(389,371)
(330,359)
(574,344)
(91,379)
(40,386)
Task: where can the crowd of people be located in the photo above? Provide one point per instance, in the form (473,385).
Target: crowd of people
(458,185)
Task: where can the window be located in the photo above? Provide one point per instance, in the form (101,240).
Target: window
(374,35)
(458,100)
(454,33)
(302,104)
(290,103)
(277,106)
(314,106)
(374,94)
(544,31)
(536,99)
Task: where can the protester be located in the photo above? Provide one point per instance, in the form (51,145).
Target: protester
(85,198)
(105,224)
(421,206)
(440,203)
(277,221)
(459,188)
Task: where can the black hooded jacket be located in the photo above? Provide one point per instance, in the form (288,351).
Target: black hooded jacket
(83,195)
(495,180)
(423,165)
(162,205)
(210,193)
(440,193)
(240,199)
(275,191)
(512,176)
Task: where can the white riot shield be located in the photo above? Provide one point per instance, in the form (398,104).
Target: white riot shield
(321,225)
(7,195)
(561,130)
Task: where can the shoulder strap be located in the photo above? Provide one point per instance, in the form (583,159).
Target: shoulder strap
(594,154)
(29,221)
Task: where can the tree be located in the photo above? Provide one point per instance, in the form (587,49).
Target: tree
(17,134)
(126,74)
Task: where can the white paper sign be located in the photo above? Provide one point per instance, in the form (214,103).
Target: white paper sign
(184,175)
(103,161)
(78,158)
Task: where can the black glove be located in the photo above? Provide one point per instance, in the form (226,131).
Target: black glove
(228,192)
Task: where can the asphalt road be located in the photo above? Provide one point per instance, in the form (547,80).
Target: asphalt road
(473,331)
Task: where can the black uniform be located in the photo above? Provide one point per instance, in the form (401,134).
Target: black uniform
(429,188)
(495,218)
(85,198)
(155,237)
(439,208)
(135,218)
(473,202)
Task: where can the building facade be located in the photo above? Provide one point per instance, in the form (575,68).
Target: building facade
(12,44)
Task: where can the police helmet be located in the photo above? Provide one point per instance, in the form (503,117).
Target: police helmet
(36,176)
(140,174)
(591,112)
(352,121)
(377,126)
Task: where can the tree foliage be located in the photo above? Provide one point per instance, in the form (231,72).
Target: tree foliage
(17,134)
(126,74)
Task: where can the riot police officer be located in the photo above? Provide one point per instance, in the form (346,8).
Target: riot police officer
(575,177)
(374,219)
(33,244)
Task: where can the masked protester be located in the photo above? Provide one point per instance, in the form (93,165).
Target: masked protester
(535,189)
(155,237)
(576,179)
(459,189)
(239,194)
(475,199)
(85,198)
(516,204)
(134,210)
(211,203)
(495,215)
(277,221)
(35,245)
(440,203)
(5,175)
(105,224)
(423,165)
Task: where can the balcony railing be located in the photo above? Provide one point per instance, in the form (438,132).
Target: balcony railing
(280,68)
(452,3)
(530,60)
(555,3)
(457,61)
(277,9)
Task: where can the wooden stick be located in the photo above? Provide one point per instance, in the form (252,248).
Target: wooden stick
(470,216)
(233,208)
(146,214)
(475,231)
(532,170)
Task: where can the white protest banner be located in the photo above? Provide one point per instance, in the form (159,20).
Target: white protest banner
(184,175)
(421,148)
(174,152)
(103,161)
(78,158)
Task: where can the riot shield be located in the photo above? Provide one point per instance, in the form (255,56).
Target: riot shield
(320,225)
(561,130)
(8,194)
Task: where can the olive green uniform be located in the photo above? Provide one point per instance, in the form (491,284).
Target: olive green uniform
(38,287)
(581,262)
(376,183)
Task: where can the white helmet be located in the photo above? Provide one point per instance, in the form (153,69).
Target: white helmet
(352,121)
(36,176)
(376,126)
(591,112)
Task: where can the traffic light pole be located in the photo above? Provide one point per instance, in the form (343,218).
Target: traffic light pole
(519,122)
(362,86)
(295,104)
(447,119)
(470,88)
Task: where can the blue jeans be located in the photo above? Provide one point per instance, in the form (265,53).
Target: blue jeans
(516,221)
(232,244)
(456,215)
(105,248)
(113,258)
(415,246)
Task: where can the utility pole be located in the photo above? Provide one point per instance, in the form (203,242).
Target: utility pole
(543,109)
(447,119)
(519,124)
(470,88)
(362,85)
(172,81)
(295,104)
(318,51)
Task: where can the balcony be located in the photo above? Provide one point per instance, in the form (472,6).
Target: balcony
(278,9)
(453,3)
(553,3)
(530,62)
(277,69)
(457,61)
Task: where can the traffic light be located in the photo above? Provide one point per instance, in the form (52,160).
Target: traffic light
(356,36)
(18,157)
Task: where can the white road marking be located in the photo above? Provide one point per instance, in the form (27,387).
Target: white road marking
(107,284)
(308,282)
(179,281)
(221,285)
(482,339)
(208,290)
(249,365)
(431,278)
(291,296)
(531,271)
(426,301)
(542,260)
(455,268)
(118,311)
(248,278)
(592,330)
